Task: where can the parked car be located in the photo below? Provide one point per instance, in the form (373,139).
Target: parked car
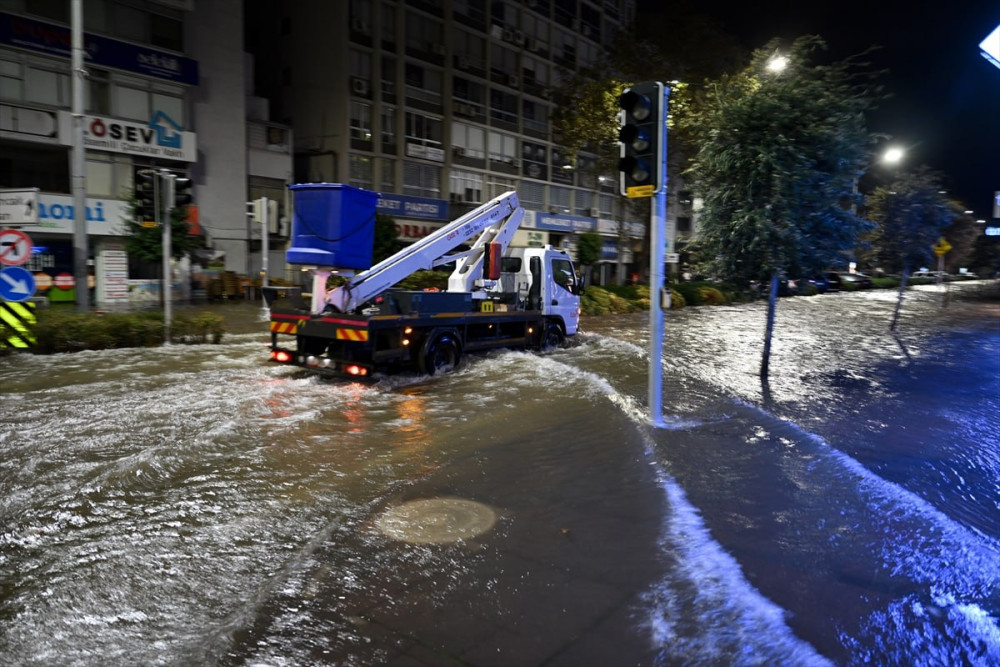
(855,281)
(833,281)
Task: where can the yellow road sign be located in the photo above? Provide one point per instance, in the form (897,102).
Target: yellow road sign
(942,247)
(637,191)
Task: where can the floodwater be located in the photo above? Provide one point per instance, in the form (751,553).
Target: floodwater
(194,505)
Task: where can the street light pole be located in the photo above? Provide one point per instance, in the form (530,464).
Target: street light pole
(77,173)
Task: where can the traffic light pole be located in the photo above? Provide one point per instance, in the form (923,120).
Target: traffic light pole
(167,197)
(659,300)
(642,168)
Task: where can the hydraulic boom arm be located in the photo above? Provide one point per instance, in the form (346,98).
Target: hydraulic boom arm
(496,221)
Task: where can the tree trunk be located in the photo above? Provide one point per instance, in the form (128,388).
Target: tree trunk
(899,299)
(772,305)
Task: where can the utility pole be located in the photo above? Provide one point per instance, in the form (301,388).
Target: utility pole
(77,173)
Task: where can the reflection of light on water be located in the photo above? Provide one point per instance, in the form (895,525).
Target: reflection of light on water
(436,520)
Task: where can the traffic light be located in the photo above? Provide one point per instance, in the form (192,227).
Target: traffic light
(147,184)
(642,138)
(182,194)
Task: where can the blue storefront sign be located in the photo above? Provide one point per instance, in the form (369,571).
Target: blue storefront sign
(54,39)
(564,223)
(421,208)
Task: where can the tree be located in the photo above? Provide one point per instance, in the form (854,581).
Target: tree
(911,215)
(146,243)
(386,238)
(778,155)
(588,250)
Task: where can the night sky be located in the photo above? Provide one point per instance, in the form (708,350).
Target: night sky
(945,96)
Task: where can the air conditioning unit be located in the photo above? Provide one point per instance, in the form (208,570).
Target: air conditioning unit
(359,86)
(459,151)
(595,212)
(357,25)
(508,35)
(532,44)
(438,48)
(513,81)
(519,38)
(463,62)
(546,94)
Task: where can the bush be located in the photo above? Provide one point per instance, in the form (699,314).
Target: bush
(885,283)
(424,280)
(63,331)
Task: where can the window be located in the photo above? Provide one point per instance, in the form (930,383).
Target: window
(498,185)
(533,161)
(98,91)
(469,50)
(47,87)
(11,80)
(562,273)
(421,180)
(166,32)
(503,62)
(503,147)
(466,186)
(138,99)
(470,139)
(503,107)
(388,129)
(360,171)
(107,174)
(532,195)
(388,79)
(468,91)
(536,117)
(423,84)
(387,169)
(423,130)
(559,199)
(361,123)
(584,200)
(361,64)
(423,34)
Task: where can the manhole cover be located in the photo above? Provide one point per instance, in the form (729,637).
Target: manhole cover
(436,520)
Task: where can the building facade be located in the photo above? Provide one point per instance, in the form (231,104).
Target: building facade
(165,88)
(440,105)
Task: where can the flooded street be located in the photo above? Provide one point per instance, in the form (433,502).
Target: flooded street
(194,505)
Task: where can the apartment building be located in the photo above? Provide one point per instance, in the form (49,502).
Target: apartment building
(166,88)
(440,105)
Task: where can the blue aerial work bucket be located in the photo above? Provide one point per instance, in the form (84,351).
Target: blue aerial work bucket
(333,225)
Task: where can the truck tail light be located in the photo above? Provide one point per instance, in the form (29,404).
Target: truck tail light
(354,369)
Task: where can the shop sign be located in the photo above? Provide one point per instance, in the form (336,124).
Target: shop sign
(160,138)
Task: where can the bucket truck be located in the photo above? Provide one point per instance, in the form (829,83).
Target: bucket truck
(497,297)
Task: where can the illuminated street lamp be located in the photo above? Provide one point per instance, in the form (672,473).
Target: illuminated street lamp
(893,156)
(777,64)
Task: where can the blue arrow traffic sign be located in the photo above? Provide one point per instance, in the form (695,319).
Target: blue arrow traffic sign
(16,284)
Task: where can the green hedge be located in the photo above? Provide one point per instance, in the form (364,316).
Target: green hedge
(63,331)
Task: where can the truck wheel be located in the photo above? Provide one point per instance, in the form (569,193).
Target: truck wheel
(442,356)
(553,338)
